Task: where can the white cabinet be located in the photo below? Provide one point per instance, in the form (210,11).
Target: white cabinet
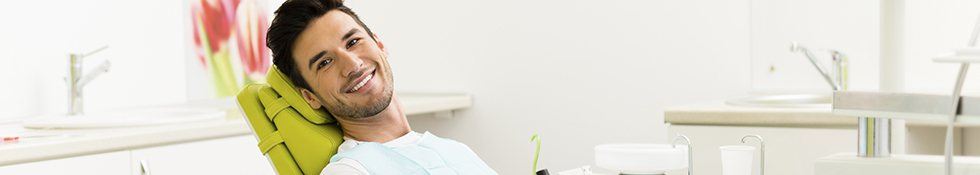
(232,155)
(237,155)
(112,163)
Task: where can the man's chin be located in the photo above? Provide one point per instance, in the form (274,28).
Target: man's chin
(368,109)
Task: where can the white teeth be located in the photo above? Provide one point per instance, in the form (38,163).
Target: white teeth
(361,84)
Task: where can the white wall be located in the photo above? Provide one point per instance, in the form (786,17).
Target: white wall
(580,73)
(933,28)
(146,49)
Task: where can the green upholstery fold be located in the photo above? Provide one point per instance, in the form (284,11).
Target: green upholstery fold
(296,138)
(270,141)
(273,108)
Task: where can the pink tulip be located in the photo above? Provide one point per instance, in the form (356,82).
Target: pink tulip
(217,16)
(252,24)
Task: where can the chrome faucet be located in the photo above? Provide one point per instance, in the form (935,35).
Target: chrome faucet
(76,80)
(839,80)
(874,134)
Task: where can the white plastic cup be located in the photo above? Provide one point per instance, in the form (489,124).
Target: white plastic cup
(736,159)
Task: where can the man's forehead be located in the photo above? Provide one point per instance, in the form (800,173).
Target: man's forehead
(334,22)
(329,27)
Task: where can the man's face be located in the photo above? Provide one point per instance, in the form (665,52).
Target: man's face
(347,71)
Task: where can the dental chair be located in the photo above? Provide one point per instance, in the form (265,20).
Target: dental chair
(296,138)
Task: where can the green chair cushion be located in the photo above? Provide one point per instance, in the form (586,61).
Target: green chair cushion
(296,142)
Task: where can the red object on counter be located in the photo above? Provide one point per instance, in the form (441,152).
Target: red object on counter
(10,139)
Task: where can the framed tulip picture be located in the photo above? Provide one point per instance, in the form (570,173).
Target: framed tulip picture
(228,48)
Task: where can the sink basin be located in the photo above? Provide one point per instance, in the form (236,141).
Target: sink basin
(784,101)
(640,158)
(125,118)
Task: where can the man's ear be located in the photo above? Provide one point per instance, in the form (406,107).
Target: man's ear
(381,45)
(310,98)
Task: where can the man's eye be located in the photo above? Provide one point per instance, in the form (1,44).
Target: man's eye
(352,42)
(324,63)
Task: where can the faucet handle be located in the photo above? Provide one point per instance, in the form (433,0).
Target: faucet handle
(836,54)
(100,49)
(77,57)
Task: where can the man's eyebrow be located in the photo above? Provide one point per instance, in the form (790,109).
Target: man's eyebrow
(316,57)
(350,33)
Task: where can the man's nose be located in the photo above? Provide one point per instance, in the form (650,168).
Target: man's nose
(351,63)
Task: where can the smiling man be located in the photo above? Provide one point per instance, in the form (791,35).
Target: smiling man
(340,66)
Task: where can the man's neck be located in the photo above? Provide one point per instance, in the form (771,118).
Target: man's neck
(386,126)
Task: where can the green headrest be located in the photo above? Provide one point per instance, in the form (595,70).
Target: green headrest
(284,86)
(292,143)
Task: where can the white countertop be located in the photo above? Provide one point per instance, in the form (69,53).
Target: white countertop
(72,143)
(720,114)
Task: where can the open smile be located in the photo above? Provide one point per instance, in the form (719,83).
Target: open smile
(361,83)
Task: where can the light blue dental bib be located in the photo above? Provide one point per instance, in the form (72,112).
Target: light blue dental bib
(431,156)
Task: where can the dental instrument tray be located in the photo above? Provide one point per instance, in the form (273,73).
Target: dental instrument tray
(926,107)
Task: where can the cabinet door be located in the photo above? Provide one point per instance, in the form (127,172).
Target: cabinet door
(233,155)
(113,163)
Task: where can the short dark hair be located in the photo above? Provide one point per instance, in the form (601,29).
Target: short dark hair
(291,19)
